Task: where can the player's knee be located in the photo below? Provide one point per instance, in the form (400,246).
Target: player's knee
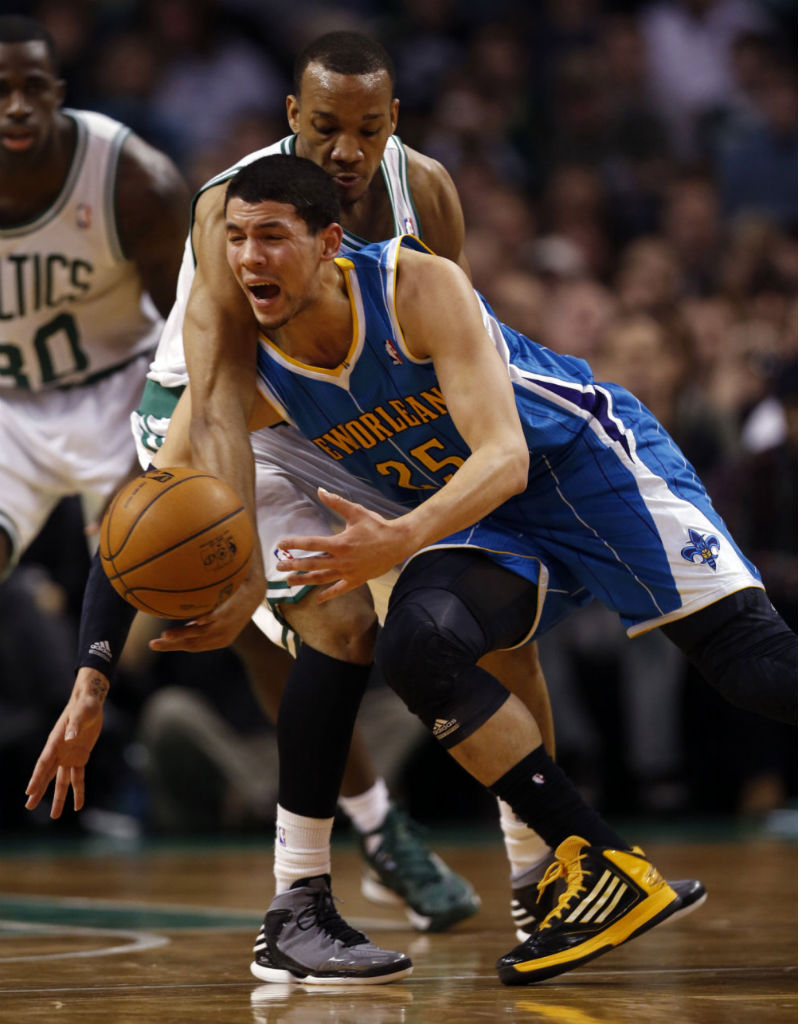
(758,678)
(429,662)
(343,628)
(745,650)
(415,642)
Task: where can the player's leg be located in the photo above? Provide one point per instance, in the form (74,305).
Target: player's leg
(649,544)
(317,712)
(448,608)
(29,473)
(335,656)
(519,669)
(745,650)
(268,666)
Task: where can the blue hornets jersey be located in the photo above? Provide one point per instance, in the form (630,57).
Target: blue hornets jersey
(611,506)
(381,411)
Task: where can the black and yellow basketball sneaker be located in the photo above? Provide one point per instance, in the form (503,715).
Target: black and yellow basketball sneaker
(610,896)
(532,901)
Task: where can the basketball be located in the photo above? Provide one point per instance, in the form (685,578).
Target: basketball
(176,542)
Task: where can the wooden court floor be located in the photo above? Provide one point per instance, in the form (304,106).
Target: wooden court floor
(163,935)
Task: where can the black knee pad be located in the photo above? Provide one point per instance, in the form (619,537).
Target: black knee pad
(746,651)
(427,652)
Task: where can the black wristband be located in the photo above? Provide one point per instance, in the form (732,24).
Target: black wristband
(105,621)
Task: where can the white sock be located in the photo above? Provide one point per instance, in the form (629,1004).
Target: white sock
(368,810)
(525,848)
(302,847)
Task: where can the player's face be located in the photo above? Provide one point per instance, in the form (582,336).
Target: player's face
(274,257)
(342,123)
(30,95)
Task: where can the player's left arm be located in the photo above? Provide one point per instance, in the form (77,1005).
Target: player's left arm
(439,208)
(440,318)
(152,208)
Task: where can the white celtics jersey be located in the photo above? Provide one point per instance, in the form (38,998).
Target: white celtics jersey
(71,305)
(169,366)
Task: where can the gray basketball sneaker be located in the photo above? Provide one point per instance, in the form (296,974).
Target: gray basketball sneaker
(304,938)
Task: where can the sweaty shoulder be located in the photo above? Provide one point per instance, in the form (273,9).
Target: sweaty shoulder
(209,207)
(152,211)
(427,282)
(148,186)
(438,205)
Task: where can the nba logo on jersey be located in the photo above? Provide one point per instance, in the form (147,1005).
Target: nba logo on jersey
(84,215)
(394,355)
(410,227)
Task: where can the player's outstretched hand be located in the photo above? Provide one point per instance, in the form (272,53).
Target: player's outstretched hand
(70,743)
(220,627)
(368,546)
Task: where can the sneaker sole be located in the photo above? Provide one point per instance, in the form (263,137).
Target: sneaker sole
(274,975)
(653,911)
(376,892)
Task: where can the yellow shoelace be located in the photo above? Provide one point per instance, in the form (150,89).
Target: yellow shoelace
(573,873)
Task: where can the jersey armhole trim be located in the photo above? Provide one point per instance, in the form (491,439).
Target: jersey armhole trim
(109,195)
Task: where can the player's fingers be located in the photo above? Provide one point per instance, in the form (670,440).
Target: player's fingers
(335,501)
(60,791)
(318,545)
(334,590)
(313,578)
(39,781)
(77,776)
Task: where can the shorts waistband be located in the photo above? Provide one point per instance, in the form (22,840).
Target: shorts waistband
(109,371)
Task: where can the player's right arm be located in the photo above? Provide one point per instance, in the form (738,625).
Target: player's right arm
(439,207)
(220,343)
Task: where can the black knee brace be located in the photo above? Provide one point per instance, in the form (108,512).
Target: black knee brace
(745,650)
(427,652)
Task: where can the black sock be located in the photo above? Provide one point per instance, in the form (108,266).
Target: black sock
(314,730)
(545,798)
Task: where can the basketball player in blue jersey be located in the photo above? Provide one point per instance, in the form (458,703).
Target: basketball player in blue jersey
(529,487)
(92,221)
(343,114)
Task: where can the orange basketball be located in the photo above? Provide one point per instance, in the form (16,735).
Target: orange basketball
(176,542)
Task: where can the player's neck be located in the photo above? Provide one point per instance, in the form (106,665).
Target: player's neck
(320,333)
(370,216)
(30,188)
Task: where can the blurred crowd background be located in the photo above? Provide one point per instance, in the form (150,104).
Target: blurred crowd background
(628,172)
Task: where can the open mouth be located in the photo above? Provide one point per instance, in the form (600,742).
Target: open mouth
(264,292)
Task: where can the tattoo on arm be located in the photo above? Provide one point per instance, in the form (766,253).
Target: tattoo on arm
(98,687)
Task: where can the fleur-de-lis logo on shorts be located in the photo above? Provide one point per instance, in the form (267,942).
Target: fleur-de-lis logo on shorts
(703,550)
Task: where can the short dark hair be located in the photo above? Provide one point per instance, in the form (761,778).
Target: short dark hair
(346,53)
(15,28)
(288,179)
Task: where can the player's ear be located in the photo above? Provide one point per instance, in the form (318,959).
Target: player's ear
(293,113)
(331,238)
(394,115)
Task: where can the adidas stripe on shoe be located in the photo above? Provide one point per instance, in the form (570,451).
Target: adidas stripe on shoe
(610,897)
(304,938)
(529,905)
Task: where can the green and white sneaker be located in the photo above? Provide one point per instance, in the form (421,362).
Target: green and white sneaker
(401,870)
